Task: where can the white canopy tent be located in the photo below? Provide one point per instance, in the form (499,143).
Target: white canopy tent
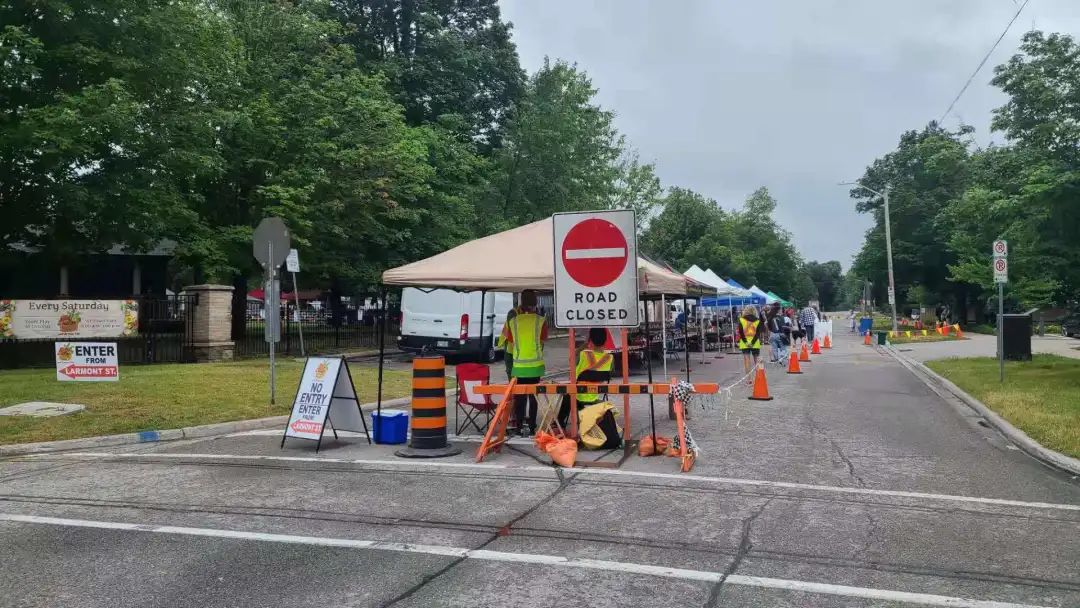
(756,290)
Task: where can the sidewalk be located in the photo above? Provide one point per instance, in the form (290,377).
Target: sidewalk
(982,345)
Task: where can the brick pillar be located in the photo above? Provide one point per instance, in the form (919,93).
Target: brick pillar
(211,323)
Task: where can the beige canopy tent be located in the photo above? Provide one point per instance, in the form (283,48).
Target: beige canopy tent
(517,259)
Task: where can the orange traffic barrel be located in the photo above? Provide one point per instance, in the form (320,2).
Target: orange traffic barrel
(427,424)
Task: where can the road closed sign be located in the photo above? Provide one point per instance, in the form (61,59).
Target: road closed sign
(595,269)
(87,362)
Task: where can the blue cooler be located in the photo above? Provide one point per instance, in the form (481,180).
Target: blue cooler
(865,325)
(390,427)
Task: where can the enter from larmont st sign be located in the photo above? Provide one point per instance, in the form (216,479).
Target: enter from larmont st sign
(595,269)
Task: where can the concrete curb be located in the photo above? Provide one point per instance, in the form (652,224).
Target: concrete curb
(190,432)
(1019,438)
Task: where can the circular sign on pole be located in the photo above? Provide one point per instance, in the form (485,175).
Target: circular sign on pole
(1001,248)
(594,252)
(1000,265)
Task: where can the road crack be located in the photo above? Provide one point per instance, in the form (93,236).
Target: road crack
(745,544)
(505,530)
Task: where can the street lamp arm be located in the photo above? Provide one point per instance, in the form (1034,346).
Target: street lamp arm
(859,184)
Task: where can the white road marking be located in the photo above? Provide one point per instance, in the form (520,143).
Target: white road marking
(595,253)
(531,558)
(579,471)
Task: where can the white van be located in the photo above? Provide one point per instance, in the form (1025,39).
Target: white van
(452,322)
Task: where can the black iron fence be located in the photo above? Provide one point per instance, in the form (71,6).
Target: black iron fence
(164,336)
(322,332)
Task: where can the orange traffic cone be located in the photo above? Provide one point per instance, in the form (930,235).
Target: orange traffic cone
(956,328)
(761,386)
(828,342)
(804,354)
(816,348)
(866,338)
(944,330)
(793,364)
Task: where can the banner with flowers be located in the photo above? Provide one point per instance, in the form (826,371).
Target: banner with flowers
(46,319)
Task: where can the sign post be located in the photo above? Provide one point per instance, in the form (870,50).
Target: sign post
(595,269)
(1001,276)
(270,245)
(596,281)
(292,264)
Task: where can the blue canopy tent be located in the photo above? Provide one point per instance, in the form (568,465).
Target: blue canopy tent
(735,283)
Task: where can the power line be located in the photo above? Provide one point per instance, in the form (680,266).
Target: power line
(983,62)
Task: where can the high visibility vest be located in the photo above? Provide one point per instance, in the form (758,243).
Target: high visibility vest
(525,331)
(590,365)
(750,337)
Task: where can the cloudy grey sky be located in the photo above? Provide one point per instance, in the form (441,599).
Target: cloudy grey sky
(797,95)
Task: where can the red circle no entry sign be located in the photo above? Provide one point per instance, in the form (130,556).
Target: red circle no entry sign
(594,252)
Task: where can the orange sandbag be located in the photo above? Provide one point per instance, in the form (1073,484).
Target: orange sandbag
(646,447)
(563,452)
(544,440)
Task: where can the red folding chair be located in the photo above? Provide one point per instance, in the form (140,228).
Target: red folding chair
(477,408)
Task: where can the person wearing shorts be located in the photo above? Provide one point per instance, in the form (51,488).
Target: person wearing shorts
(750,332)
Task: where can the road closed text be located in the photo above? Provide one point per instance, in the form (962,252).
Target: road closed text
(596,306)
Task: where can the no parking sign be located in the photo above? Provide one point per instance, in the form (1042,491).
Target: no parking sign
(595,269)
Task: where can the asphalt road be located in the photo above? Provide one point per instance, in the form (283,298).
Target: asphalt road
(855,486)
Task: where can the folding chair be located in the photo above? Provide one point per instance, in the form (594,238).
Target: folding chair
(476,407)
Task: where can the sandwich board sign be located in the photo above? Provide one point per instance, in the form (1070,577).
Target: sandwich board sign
(595,269)
(325,397)
(87,362)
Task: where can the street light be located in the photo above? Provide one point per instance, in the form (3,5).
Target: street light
(888,243)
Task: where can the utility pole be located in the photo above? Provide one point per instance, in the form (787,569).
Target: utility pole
(888,251)
(888,244)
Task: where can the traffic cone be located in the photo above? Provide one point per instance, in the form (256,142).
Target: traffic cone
(866,338)
(956,328)
(761,386)
(816,349)
(828,342)
(944,330)
(793,364)
(804,354)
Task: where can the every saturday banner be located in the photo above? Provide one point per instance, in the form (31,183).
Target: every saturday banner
(32,319)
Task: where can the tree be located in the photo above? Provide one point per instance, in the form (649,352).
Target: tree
(559,153)
(827,280)
(636,188)
(106,120)
(442,57)
(684,229)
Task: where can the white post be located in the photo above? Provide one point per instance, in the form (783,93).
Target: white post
(299,324)
(1001,333)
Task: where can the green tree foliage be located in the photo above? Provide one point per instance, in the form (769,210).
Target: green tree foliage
(637,187)
(828,282)
(560,152)
(950,201)
(443,58)
(746,244)
(106,119)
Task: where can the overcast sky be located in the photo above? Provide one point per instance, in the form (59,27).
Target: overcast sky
(796,95)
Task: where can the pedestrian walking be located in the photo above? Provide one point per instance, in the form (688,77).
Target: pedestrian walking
(851,319)
(750,331)
(777,334)
(807,318)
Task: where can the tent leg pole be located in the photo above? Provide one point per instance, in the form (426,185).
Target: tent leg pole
(663,333)
(686,338)
(382,349)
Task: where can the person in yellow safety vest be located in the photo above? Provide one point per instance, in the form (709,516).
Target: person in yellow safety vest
(593,367)
(526,333)
(508,357)
(751,331)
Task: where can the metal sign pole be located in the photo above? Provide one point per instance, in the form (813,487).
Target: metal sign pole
(1001,333)
(299,324)
(271,272)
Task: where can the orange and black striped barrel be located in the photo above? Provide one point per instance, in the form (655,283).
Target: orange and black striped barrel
(428,420)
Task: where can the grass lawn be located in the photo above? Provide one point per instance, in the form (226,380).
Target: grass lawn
(167,396)
(1040,397)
